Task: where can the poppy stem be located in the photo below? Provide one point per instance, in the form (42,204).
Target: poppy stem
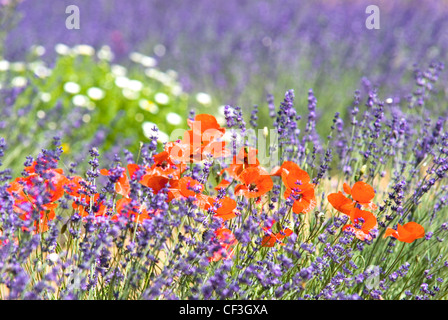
(396,260)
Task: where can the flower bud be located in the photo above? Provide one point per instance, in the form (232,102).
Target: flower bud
(363,169)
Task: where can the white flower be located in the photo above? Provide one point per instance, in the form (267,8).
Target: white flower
(95,93)
(84,49)
(148,106)
(4,65)
(135,85)
(72,87)
(86,118)
(40,114)
(105,53)
(161,98)
(148,62)
(173,118)
(62,49)
(44,96)
(130,94)
(142,59)
(18,66)
(203,98)
(122,82)
(118,71)
(176,90)
(80,100)
(41,71)
(173,74)
(53,257)
(19,82)
(38,50)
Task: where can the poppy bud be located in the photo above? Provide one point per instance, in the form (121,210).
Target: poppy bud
(363,169)
(320,216)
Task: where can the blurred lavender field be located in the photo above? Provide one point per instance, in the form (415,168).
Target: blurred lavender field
(238,51)
(101,198)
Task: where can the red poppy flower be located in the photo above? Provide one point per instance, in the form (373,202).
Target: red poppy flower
(246,158)
(227,241)
(361,193)
(32,169)
(199,142)
(74,186)
(156,177)
(225,208)
(362,223)
(156,183)
(54,188)
(204,126)
(166,167)
(222,185)
(298,187)
(304,199)
(255,182)
(341,203)
(83,205)
(288,165)
(201,146)
(122,186)
(272,238)
(292,176)
(188,187)
(42,224)
(124,207)
(54,185)
(408,233)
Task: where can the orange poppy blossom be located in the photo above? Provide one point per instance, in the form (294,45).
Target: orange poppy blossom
(167,167)
(6,241)
(223,184)
(74,187)
(361,193)
(164,170)
(199,142)
(54,185)
(122,186)
(45,217)
(408,232)
(272,238)
(83,204)
(188,187)
(362,223)
(246,158)
(227,241)
(224,208)
(298,187)
(288,165)
(23,190)
(124,207)
(150,179)
(255,182)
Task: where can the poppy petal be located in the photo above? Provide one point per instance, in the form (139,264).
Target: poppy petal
(362,192)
